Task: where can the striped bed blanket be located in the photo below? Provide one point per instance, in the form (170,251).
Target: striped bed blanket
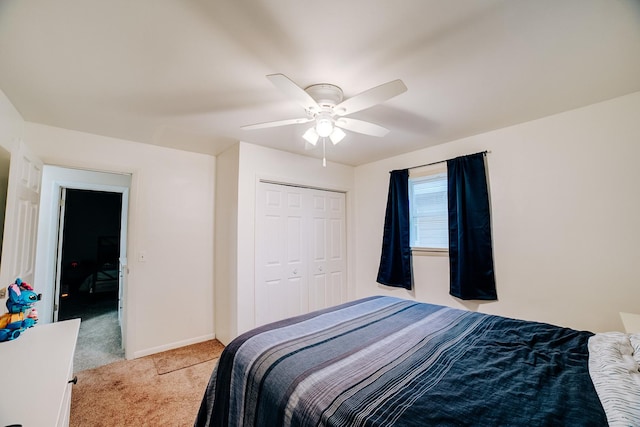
(385,361)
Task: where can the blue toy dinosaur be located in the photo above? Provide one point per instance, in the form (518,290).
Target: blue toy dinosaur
(21,298)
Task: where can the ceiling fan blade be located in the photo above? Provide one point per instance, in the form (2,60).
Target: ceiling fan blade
(294,91)
(276,123)
(370,97)
(360,126)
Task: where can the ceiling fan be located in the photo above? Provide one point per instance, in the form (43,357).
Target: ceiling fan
(324,104)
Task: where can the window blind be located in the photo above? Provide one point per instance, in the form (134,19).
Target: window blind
(429,211)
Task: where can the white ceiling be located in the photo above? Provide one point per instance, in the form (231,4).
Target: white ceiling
(189,73)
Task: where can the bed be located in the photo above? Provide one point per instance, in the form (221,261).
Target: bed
(105,276)
(104,279)
(385,361)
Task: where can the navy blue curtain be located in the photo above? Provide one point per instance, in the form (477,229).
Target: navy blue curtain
(470,249)
(395,261)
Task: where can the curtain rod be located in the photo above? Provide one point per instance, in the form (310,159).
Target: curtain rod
(442,161)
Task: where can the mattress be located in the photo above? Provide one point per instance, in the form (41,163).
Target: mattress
(385,361)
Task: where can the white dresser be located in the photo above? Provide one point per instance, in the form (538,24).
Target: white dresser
(631,322)
(35,373)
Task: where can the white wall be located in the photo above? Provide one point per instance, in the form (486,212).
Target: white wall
(565,202)
(11,124)
(170,218)
(226,244)
(11,133)
(257,163)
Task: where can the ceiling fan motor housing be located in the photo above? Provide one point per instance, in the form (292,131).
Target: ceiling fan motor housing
(326,95)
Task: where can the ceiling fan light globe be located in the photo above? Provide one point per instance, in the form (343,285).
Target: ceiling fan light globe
(324,127)
(311,136)
(337,135)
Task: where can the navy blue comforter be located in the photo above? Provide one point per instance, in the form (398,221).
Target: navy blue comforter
(385,361)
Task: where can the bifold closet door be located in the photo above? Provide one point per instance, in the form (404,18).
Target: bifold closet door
(281,288)
(327,250)
(300,251)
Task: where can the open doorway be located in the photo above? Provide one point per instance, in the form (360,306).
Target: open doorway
(88,278)
(56,181)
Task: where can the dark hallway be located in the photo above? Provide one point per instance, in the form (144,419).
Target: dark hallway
(89,274)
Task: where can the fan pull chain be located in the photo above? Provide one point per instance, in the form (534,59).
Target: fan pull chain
(324,153)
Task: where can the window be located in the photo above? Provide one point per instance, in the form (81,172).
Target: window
(429,212)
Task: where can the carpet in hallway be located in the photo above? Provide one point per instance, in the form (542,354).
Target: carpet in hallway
(99,340)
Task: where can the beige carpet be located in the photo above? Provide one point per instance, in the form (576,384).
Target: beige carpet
(133,393)
(183,357)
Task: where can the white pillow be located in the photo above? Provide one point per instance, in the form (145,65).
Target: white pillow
(614,366)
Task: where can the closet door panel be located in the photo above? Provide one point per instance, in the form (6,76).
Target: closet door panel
(280,289)
(337,289)
(318,292)
(336,266)
(328,246)
(318,250)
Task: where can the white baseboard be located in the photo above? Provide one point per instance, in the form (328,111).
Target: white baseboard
(171,346)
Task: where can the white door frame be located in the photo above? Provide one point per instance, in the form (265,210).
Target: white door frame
(54,179)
